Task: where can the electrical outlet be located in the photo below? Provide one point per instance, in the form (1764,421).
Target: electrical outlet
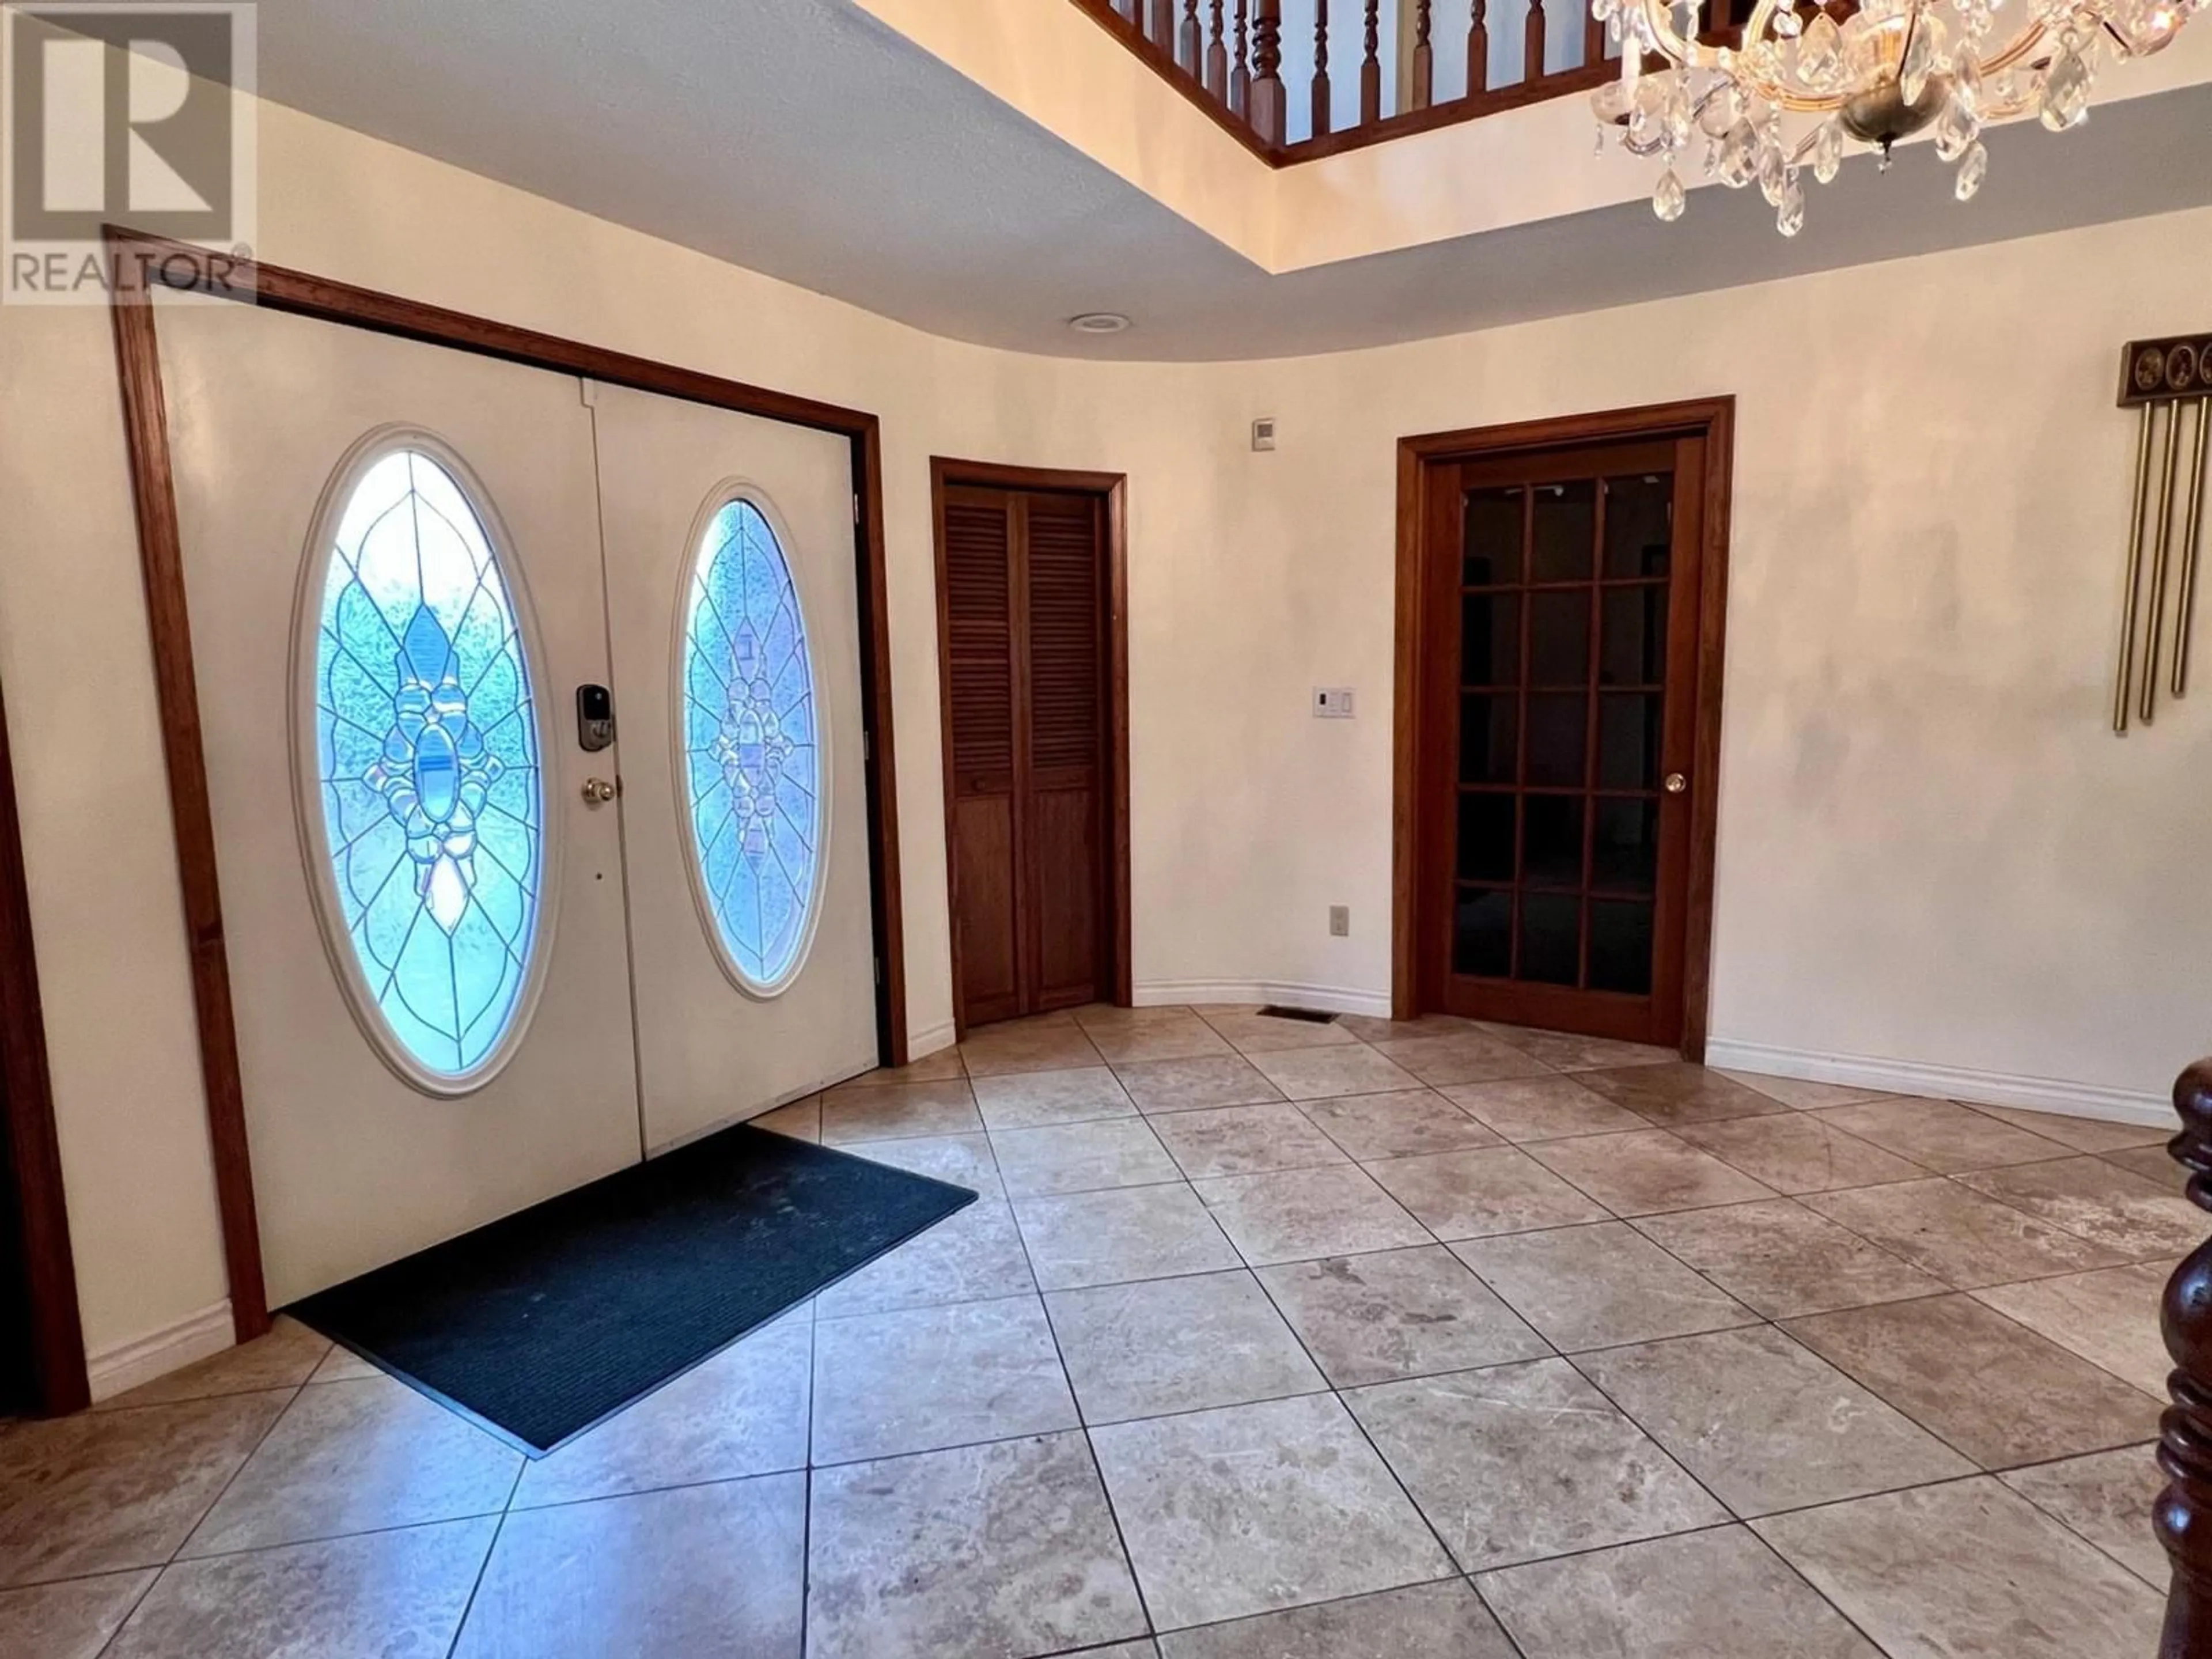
(1332,702)
(1263,433)
(1339,922)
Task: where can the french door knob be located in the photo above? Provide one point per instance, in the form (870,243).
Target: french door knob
(1677,783)
(598,792)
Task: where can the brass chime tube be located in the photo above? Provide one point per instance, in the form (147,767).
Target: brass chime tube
(2161,560)
(2134,597)
(2185,601)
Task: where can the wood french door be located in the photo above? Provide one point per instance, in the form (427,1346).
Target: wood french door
(1558,734)
(1025,605)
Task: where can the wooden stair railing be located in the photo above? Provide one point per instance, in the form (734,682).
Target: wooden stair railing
(2184,1514)
(1237,67)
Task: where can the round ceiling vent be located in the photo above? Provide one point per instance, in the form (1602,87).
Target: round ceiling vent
(1099,322)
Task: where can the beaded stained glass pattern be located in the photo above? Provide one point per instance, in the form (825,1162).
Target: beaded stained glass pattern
(427,746)
(752,769)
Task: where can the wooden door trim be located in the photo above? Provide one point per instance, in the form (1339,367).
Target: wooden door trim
(144,261)
(1112,489)
(58,1379)
(1714,420)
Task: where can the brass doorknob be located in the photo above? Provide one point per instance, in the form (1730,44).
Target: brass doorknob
(598,792)
(1677,783)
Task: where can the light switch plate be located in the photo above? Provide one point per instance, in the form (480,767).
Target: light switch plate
(1333,703)
(1339,922)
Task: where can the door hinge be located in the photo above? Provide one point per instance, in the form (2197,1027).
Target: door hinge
(867,745)
(879,970)
(856,508)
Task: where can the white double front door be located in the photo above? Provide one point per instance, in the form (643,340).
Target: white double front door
(532,719)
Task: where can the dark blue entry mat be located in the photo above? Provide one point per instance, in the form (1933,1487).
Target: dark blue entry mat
(548,1321)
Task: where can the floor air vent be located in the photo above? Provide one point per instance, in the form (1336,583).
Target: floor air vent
(1311,1016)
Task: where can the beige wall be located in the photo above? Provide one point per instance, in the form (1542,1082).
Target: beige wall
(1932,854)
(90,784)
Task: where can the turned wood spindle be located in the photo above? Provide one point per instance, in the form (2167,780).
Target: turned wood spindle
(1160,23)
(1370,67)
(1532,49)
(2183,1513)
(1269,111)
(1189,51)
(1477,49)
(1217,59)
(1321,100)
(1425,60)
(1240,72)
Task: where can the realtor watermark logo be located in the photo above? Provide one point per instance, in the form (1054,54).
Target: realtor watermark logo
(117,114)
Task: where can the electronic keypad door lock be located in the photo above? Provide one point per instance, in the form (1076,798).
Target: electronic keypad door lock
(595,718)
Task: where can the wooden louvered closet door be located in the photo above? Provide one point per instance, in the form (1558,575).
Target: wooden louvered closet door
(1024,591)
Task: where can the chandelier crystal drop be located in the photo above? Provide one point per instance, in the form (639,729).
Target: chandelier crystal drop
(1805,79)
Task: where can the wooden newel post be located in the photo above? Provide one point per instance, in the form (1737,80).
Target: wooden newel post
(2184,1515)
(1270,115)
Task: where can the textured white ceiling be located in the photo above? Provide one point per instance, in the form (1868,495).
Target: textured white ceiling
(803,139)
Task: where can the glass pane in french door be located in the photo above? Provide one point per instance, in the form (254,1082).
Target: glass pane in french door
(1562,707)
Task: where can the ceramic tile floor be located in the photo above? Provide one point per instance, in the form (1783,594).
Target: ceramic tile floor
(1437,1342)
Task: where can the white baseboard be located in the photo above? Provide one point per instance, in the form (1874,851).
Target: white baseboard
(935,1040)
(1329,999)
(197,1336)
(1907,1076)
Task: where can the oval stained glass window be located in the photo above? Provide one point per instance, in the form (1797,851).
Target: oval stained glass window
(427,748)
(750,760)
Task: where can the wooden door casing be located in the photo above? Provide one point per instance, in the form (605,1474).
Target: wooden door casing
(1439,475)
(1032,657)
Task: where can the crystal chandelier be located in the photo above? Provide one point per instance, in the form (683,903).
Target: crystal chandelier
(1805,80)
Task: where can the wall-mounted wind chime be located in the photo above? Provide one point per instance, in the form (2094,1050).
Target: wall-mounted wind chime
(2165,380)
